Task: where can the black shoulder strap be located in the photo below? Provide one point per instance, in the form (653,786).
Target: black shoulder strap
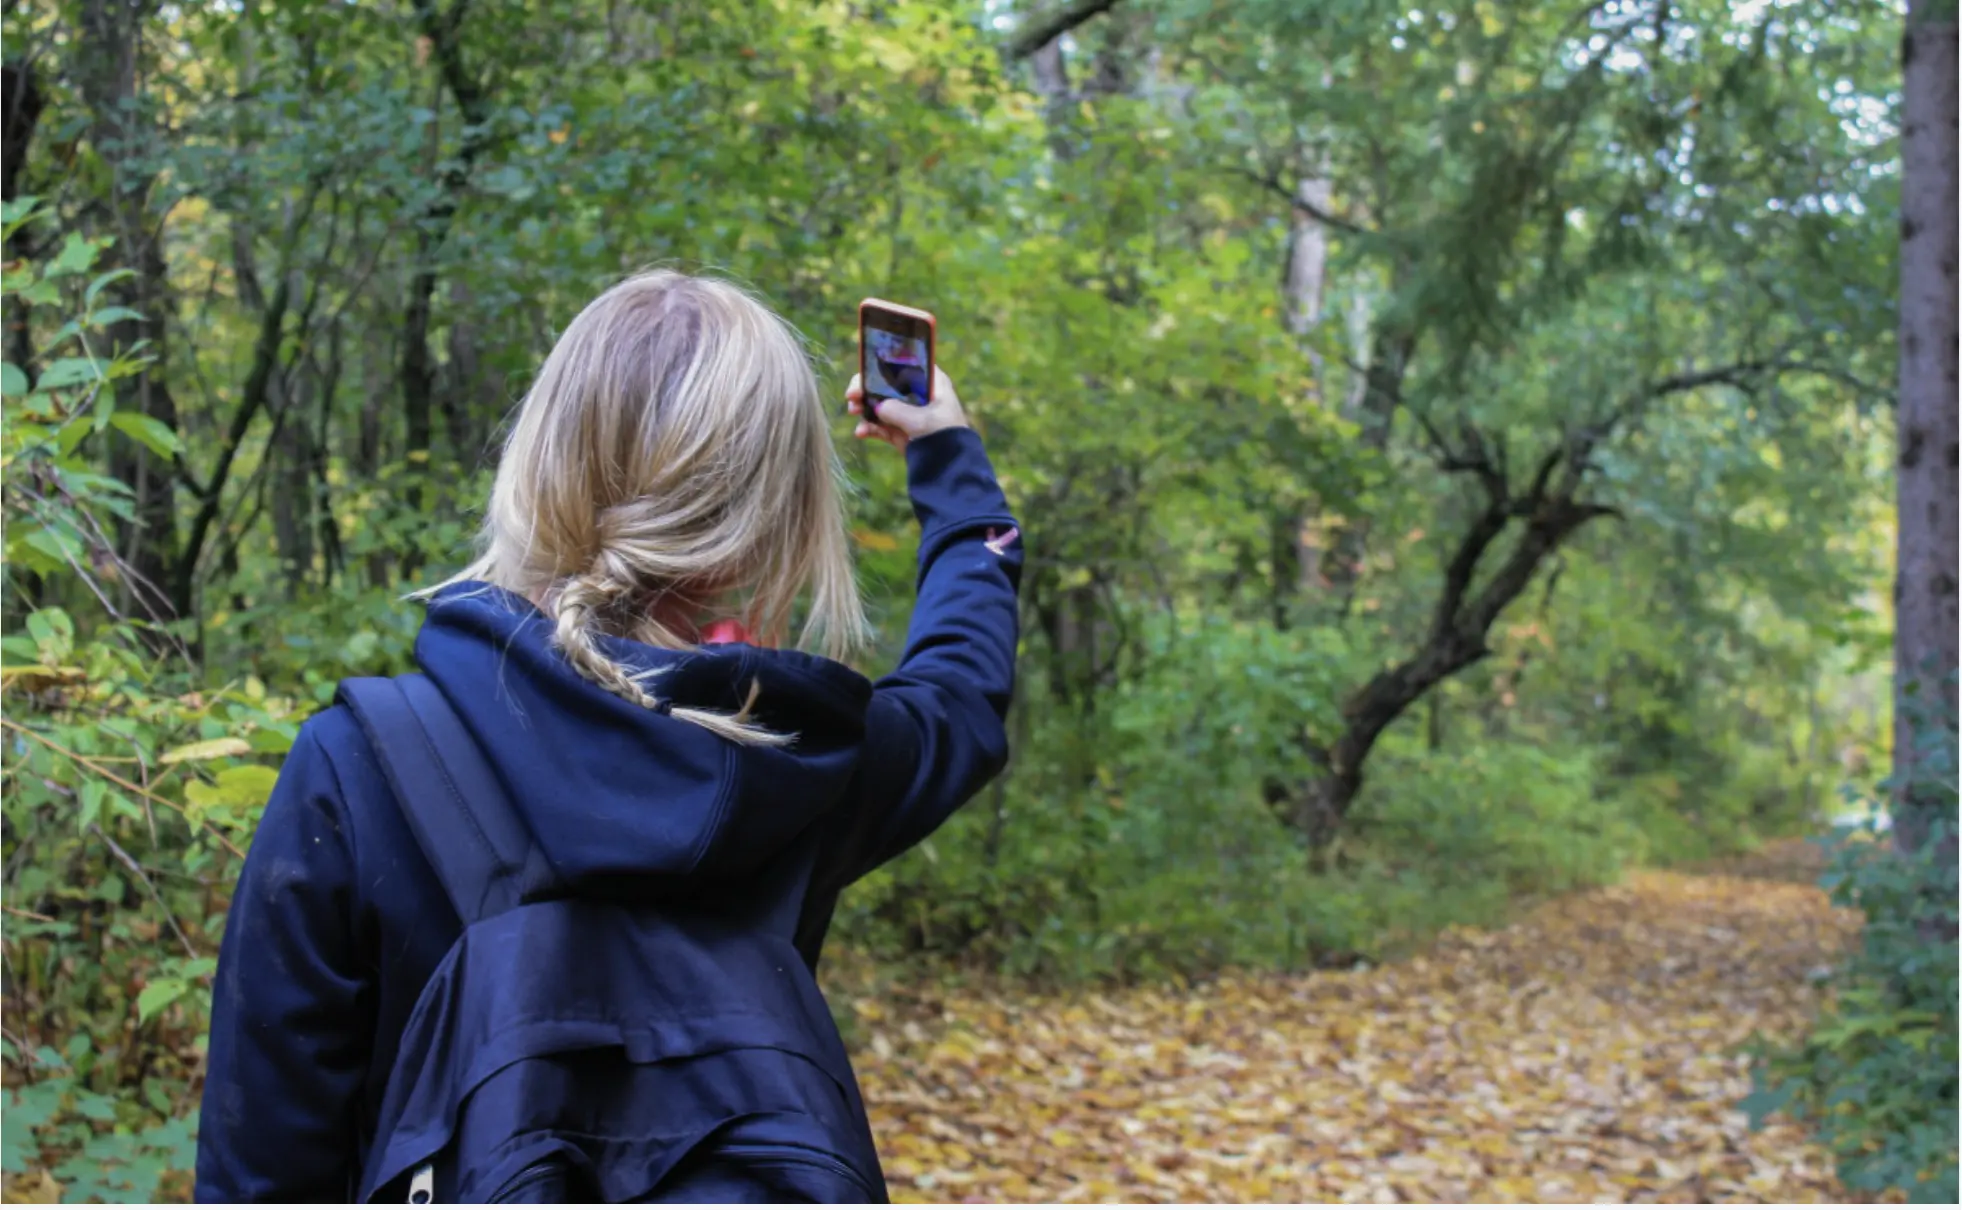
(459,812)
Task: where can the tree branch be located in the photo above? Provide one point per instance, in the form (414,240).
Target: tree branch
(252,398)
(1293,198)
(1039,31)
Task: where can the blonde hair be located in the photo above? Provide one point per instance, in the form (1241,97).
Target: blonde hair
(673,450)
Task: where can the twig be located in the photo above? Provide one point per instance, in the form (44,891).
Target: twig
(23,912)
(1293,199)
(132,787)
(134,868)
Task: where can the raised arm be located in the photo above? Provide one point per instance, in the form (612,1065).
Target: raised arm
(934,730)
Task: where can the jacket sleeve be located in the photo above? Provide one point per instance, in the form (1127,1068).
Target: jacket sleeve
(934,729)
(292,1009)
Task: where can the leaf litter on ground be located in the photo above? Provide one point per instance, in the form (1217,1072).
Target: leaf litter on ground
(1592,1051)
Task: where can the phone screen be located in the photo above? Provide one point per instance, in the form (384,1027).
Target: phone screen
(898,357)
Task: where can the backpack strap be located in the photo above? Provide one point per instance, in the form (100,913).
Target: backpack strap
(463,820)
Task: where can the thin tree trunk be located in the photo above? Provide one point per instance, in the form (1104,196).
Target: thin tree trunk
(1924,591)
(292,500)
(463,381)
(1375,411)
(1456,641)
(1308,255)
(433,229)
(111,89)
(20,109)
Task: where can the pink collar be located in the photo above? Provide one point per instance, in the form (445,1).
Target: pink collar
(726,632)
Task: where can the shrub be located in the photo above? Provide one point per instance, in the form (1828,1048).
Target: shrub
(1876,1075)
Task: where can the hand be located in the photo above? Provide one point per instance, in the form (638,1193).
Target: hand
(896,422)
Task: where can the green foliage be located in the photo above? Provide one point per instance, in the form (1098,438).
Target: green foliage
(1141,845)
(1876,1076)
(127,794)
(107,1159)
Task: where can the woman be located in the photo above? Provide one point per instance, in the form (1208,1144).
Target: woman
(670,478)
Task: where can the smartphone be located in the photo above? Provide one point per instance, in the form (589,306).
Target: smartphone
(895,353)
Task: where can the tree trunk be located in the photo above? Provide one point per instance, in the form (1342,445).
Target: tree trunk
(1308,255)
(109,86)
(1297,551)
(432,231)
(1374,409)
(292,499)
(20,109)
(462,385)
(1455,642)
(1924,590)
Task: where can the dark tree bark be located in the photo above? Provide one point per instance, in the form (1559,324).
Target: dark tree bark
(20,109)
(261,380)
(1039,31)
(462,386)
(419,382)
(121,134)
(1924,590)
(292,495)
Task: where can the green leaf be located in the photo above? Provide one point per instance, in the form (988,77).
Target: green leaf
(109,315)
(96,286)
(105,409)
(208,749)
(154,434)
(18,210)
(71,434)
(270,740)
(13,382)
(92,792)
(58,548)
(242,786)
(157,996)
(69,371)
(77,255)
(53,633)
(95,1106)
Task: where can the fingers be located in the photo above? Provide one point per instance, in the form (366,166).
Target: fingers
(879,432)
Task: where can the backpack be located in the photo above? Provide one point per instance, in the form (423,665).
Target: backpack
(570,1048)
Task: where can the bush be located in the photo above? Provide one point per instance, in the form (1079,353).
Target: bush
(1136,842)
(130,788)
(1876,1075)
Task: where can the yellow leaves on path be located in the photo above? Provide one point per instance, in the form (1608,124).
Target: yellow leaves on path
(1586,1053)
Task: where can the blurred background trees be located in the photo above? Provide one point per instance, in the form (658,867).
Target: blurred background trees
(1455,444)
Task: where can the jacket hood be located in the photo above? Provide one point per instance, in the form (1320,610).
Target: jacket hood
(624,799)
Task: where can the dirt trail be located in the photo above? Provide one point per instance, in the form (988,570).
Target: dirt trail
(1588,1052)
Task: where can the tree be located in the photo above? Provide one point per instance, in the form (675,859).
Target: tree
(1924,589)
(1509,175)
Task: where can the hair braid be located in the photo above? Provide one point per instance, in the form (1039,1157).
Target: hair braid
(582,604)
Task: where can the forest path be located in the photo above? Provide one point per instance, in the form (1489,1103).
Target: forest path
(1589,1051)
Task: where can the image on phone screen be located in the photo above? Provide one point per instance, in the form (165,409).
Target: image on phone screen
(897,366)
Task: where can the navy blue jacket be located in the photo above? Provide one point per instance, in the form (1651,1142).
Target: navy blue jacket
(338,920)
